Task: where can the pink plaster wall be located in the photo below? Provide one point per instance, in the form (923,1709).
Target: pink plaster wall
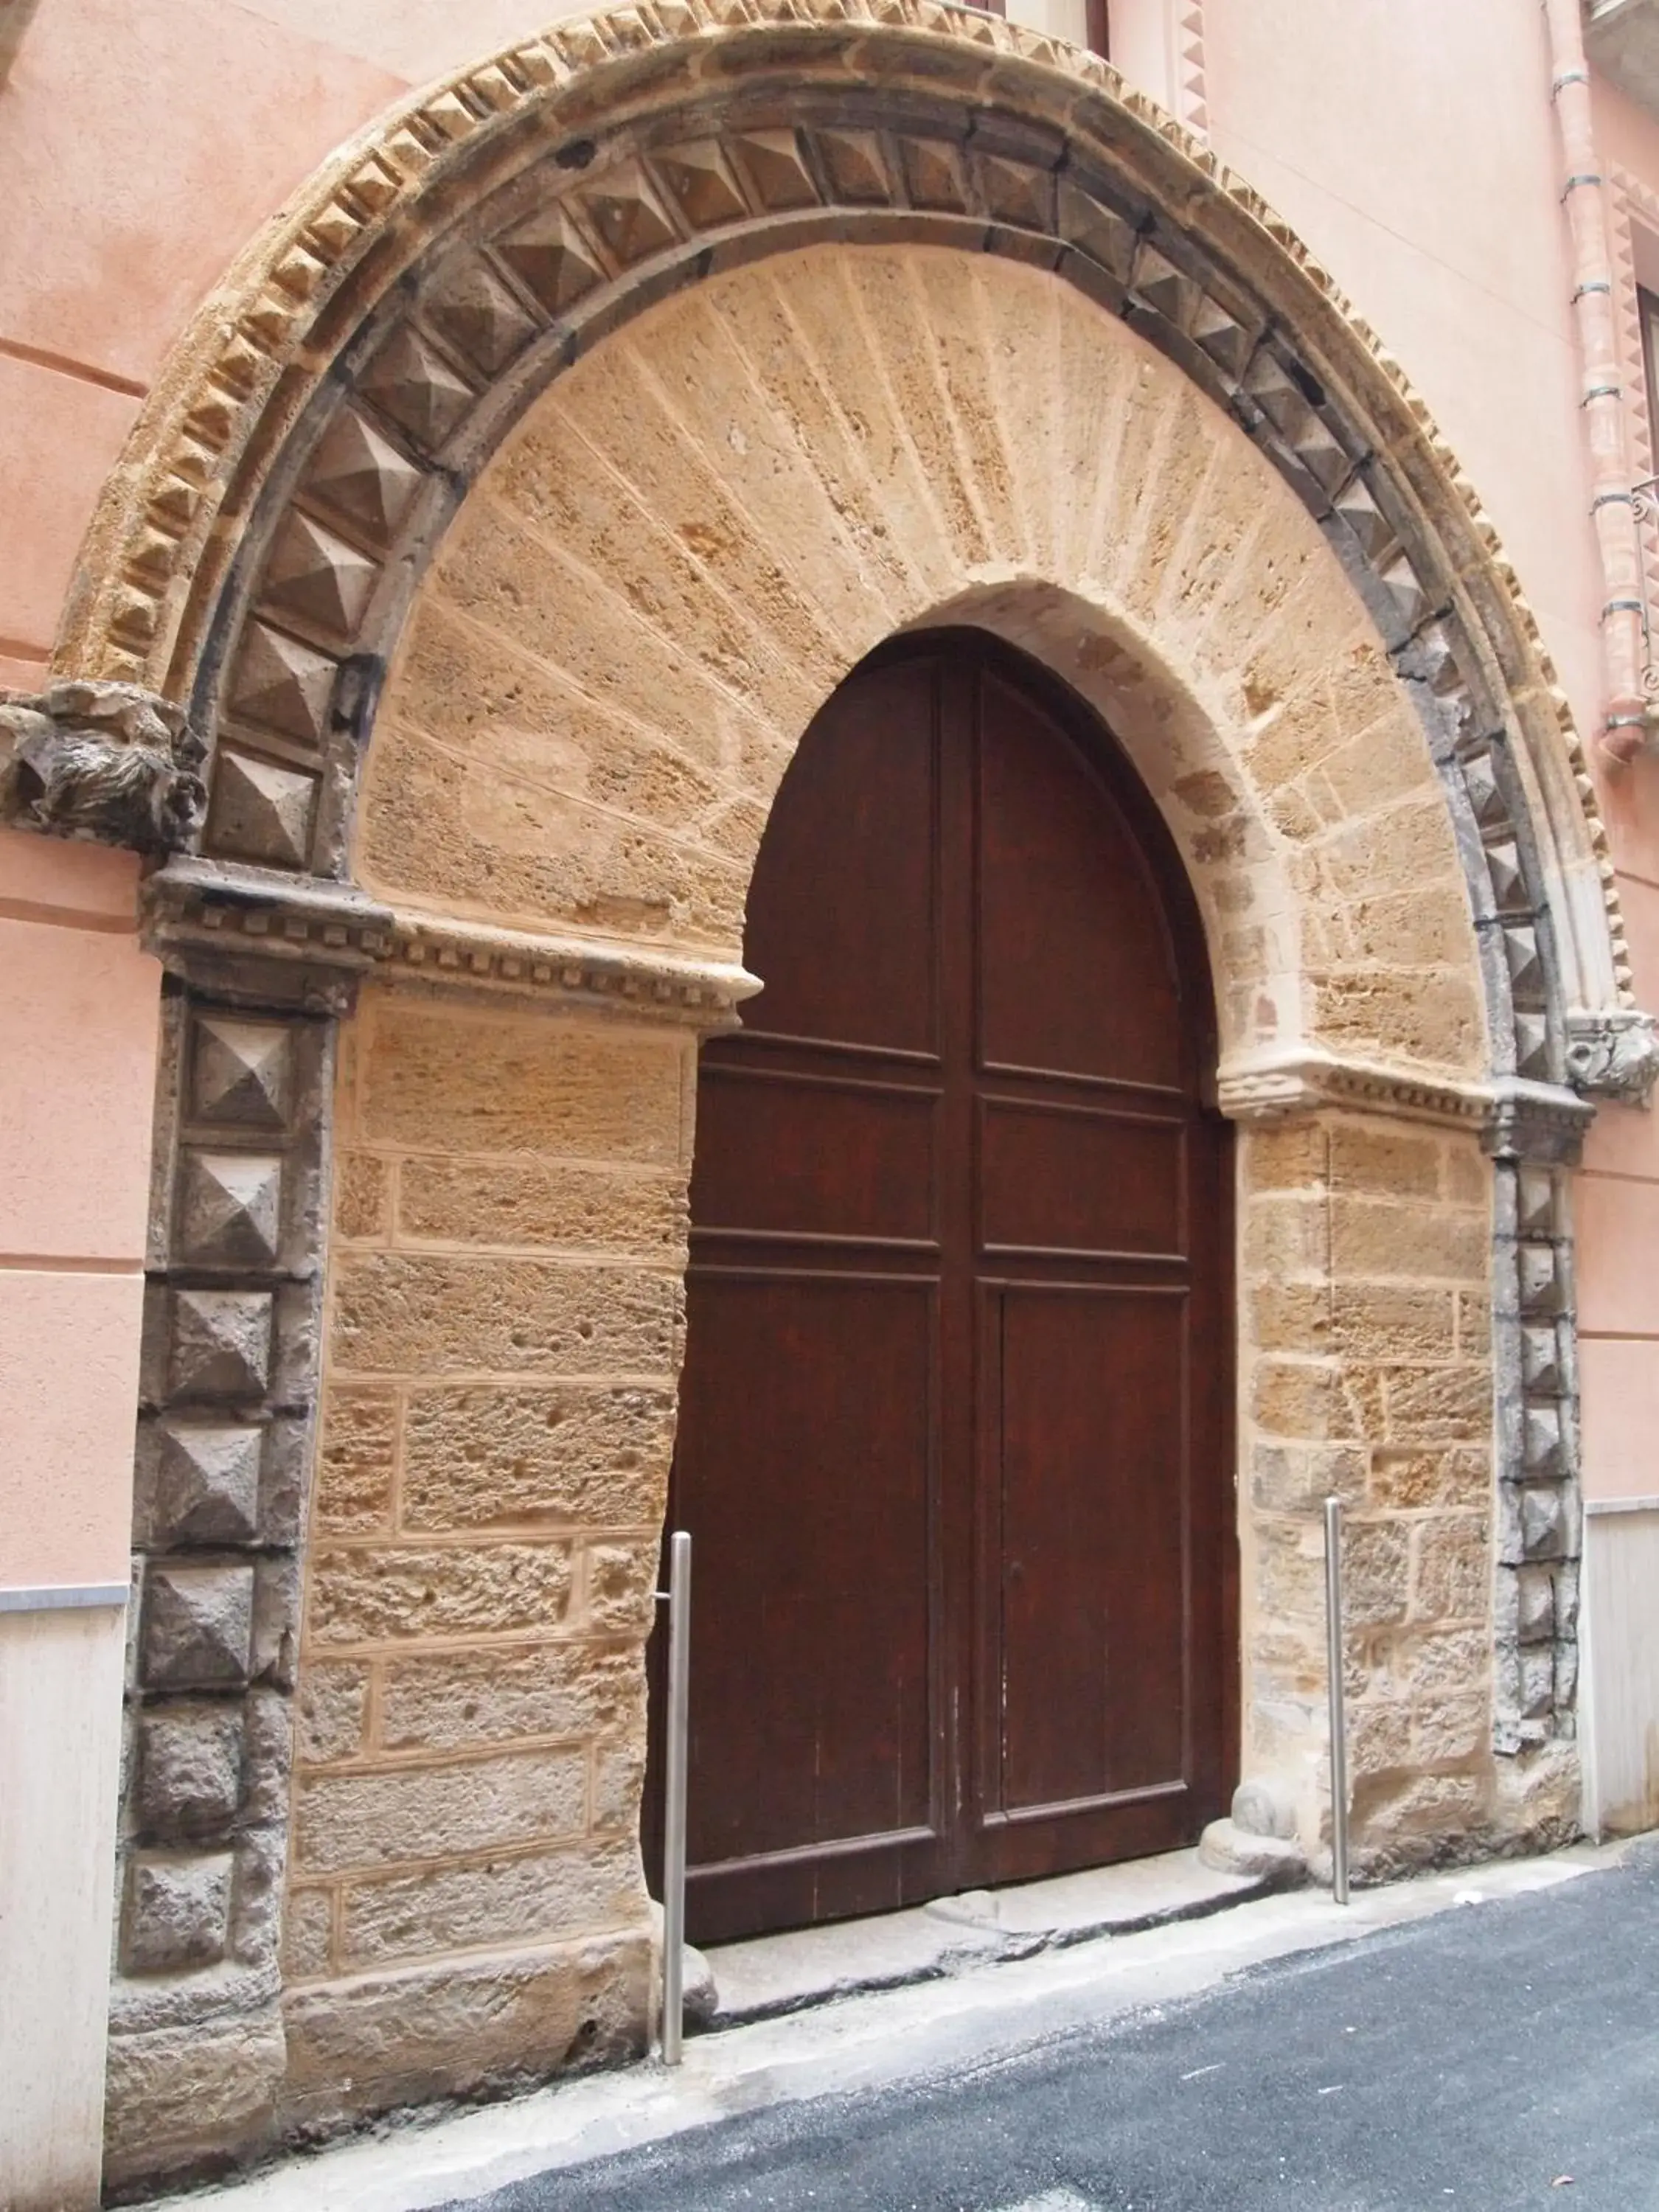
(78,1006)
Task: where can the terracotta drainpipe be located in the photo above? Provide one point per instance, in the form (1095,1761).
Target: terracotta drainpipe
(1624,622)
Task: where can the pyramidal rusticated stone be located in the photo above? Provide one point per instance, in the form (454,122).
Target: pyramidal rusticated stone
(358,473)
(311,571)
(1322,453)
(1278,396)
(1221,335)
(1532,1039)
(1540,1358)
(1400,581)
(417,389)
(261,812)
(1014,192)
(241,1072)
(197,1626)
(1486,795)
(474,310)
(932,178)
(1104,236)
(550,257)
(221,1343)
(1366,519)
(1526,968)
(207,1484)
(771,159)
(1165,288)
(281,684)
(853,162)
(700,184)
(624,210)
(230,1207)
(1504,867)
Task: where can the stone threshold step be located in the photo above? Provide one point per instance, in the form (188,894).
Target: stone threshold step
(769,1976)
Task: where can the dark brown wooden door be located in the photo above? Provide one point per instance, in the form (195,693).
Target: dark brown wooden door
(953,1443)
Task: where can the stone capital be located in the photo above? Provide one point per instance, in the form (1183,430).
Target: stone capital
(1614,1055)
(1269,1086)
(108,763)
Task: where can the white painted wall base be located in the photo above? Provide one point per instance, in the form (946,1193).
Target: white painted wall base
(1621,1668)
(60,1743)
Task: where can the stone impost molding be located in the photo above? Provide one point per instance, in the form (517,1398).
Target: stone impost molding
(108,762)
(1517,1119)
(252,932)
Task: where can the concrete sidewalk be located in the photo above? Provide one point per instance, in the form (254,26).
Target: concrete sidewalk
(932,2033)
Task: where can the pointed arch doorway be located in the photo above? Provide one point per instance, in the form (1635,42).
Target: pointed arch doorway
(956,1412)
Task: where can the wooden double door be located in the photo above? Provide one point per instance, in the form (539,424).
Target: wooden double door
(953,1440)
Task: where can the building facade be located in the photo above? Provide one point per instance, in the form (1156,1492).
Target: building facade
(873,776)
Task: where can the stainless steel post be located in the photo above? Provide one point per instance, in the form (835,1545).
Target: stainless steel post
(1334,1648)
(673,1875)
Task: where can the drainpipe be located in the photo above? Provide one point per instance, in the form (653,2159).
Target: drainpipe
(1623,620)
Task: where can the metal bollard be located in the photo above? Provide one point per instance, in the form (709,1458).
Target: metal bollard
(678,1597)
(1334,1653)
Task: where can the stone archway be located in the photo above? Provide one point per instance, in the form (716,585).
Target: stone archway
(946,329)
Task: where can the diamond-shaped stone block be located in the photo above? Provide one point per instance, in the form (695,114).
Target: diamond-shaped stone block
(261,811)
(700,184)
(312,572)
(197,1626)
(551,258)
(1504,867)
(177,1911)
(362,475)
(854,165)
(471,307)
(1541,1358)
(241,1072)
(207,1483)
(1164,287)
(1016,193)
(1105,237)
(1534,1607)
(1520,952)
(1221,335)
(624,212)
(1544,1523)
(412,384)
(771,162)
(1539,1286)
(1532,1046)
(221,1345)
(1541,1440)
(190,1768)
(230,1208)
(282,684)
(1535,1201)
(1366,519)
(932,175)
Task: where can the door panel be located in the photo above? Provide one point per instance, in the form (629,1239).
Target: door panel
(953,1443)
(1089,1549)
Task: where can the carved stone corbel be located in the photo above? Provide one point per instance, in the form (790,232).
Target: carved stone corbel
(108,763)
(1614,1055)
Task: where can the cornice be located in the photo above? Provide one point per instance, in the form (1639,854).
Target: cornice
(1515,1119)
(253,933)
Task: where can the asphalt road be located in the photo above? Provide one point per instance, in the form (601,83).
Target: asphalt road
(1497,2057)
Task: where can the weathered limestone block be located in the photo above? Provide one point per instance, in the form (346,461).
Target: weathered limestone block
(398,1816)
(461,2028)
(362,1198)
(332,1710)
(619,1582)
(593,1455)
(176,2096)
(420,1313)
(540,1897)
(449,1081)
(453,1701)
(508,1202)
(356,1459)
(372,1595)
